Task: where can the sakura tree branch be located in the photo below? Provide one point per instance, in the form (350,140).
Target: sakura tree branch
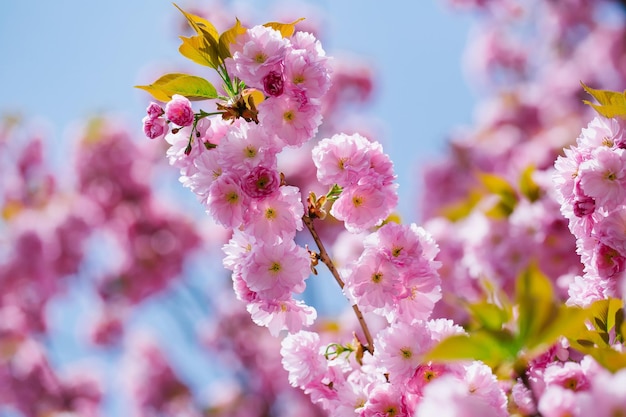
(324,257)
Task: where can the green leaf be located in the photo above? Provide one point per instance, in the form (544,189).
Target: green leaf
(615,315)
(201,25)
(190,86)
(566,322)
(462,209)
(286,29)
(229,37)
(207,45)
(607,314)
(528,187)
(611,103)
(502,188)
(493,348)
(535,301)
(488,315)
(608,358)
(197,49)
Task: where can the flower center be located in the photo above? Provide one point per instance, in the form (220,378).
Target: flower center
(288,116)
(275,267)
(260,58)
(270,214)
(232,197)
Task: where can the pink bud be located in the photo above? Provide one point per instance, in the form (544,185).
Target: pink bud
(154,128)
(154,110)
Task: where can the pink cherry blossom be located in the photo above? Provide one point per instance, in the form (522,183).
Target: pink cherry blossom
(261,182)
(258,52)
(449,396)
(558,402)
(245,147)
(226,202)
(384,400)
(341,159)
(154,110)
(290,121)
(400,348)
(277,315)
(364,206)
(303,73)
(275,271)
(178,111)
(303,358)
(277,217)
(604,176)
(374,282)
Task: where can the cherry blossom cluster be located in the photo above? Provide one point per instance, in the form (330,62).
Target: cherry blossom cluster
(395,381)
(232,163)
(233,169)
(364,175)
(591,186)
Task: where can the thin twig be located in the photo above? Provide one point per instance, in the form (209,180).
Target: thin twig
(324,257)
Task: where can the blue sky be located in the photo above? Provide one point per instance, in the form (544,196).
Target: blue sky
(66,60)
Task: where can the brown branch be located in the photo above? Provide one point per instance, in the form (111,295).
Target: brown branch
(324,257)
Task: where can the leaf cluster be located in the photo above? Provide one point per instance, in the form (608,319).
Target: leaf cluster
(507,335)
(507,195)
(211,49)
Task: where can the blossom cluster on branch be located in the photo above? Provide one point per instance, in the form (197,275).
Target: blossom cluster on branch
(521,351)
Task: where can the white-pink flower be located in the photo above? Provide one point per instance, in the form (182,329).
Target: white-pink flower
(364,206)
(276,271)
(303,358)
(448,396)
(342,159)
(374,282)
(226,202)
(207,170)
(277,315)
(400,348)
(277,217)
(304,73)
(256,53)
(245,147)
(292,122)
(604,176)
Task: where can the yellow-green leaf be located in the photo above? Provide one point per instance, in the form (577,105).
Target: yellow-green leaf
(488,315)
(535,300)
(528,187)
(566,322)
(502,188)
(615,315)
(493,348)
(461,209)
(201,25)
(229,37)
(286,29)
(199,51)
(611,103)
(609,358)
(190,86)
(500,211)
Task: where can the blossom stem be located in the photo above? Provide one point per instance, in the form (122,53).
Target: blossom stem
(324,257)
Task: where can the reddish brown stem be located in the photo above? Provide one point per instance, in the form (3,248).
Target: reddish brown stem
(324,257)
